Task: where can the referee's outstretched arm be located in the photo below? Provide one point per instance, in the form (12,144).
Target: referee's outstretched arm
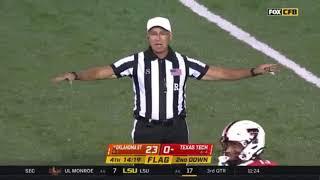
(213,73)
(95,73)
(220,73)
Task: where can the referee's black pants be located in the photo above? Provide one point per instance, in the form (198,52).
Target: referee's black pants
(151,132)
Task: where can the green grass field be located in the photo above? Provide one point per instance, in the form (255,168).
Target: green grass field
(45,124)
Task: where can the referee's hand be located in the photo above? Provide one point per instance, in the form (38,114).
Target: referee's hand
(267,68)
(64,77)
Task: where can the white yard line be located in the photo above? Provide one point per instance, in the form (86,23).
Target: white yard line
(250,40)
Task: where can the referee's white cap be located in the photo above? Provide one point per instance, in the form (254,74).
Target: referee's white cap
(159,21)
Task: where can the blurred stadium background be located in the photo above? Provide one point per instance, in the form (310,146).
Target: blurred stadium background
(44,124)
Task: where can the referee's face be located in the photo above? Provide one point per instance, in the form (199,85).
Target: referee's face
(159,40)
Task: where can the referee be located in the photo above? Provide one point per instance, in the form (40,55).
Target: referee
(159,76)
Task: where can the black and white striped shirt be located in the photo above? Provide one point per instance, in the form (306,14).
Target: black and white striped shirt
(159,85)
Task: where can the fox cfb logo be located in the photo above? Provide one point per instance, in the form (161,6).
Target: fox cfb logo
(283,12)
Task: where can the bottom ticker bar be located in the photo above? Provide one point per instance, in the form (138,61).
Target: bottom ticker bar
(158,170)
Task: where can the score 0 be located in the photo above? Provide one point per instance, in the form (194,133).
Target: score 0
(166,149)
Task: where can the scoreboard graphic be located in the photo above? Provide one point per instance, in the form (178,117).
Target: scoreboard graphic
(159,154)
(171,160)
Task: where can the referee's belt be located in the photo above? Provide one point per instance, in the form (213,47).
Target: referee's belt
(165,122)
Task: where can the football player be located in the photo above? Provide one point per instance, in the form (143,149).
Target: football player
(243,143)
